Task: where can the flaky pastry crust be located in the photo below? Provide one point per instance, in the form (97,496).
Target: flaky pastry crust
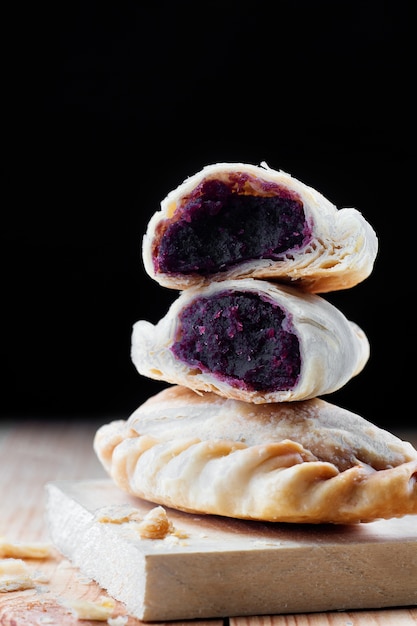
(340,254)
(303,462)
(332,348)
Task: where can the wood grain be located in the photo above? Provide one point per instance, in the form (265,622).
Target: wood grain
(35,452)
(387,617)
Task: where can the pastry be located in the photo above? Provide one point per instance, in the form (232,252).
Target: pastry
(302,462)
(234,220)
(251,340)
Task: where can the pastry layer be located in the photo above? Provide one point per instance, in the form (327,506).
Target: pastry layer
(251,340)
(234,220)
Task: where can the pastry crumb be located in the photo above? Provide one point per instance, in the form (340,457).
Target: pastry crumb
(15,575)
(118,514)
(155,524)
(180,534)
(27,550)
(100,610)
(120,620)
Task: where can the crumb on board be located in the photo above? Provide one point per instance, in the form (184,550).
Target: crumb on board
(118,514)
(154,525)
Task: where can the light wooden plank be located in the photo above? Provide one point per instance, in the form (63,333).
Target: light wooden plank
(232,567)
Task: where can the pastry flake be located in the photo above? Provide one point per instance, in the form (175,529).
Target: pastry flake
(24,550)
(99,610)
(15,575)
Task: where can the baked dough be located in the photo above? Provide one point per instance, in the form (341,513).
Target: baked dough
(303,462)
(251,340)
(235,220)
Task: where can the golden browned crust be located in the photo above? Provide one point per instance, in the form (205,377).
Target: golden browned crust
(311,461)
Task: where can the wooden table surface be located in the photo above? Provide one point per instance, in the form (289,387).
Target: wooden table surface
(35,452)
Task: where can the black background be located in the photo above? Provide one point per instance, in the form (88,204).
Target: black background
(110,105)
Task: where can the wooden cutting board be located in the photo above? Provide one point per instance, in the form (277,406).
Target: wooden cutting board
(212,567)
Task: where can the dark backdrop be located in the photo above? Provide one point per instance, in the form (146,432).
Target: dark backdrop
(113,104)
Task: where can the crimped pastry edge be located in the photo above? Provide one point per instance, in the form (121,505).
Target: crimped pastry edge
(278,480)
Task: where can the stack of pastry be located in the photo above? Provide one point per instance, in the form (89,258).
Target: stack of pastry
(248,349)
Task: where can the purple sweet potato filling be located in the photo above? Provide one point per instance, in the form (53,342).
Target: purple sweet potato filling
(220,226)
(242,338)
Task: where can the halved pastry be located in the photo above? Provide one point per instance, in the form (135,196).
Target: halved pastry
(251,340)
(235,220)
(303,462)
